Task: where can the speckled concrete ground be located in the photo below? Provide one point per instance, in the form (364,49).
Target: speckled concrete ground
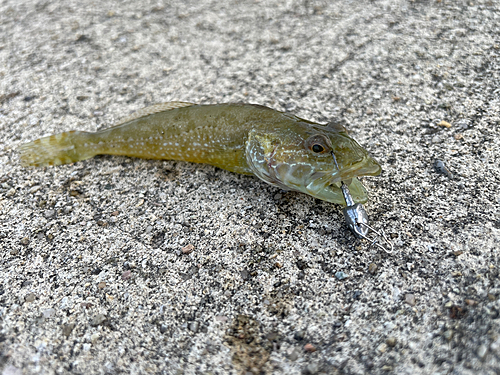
(93,276)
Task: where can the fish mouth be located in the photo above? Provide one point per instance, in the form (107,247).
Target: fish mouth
(326,186)
(332,192)
(367,166)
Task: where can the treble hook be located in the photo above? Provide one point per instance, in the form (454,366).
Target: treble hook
(356,218)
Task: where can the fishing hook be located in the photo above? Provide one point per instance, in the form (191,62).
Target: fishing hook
(356,218)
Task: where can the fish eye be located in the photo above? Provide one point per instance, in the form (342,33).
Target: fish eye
(319,144)
(317,148)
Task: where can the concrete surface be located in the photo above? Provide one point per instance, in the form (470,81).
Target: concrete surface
(118,265)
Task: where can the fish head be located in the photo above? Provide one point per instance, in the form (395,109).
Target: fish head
(312,159)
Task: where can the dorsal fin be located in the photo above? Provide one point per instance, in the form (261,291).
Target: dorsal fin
(337,126)
(155,108)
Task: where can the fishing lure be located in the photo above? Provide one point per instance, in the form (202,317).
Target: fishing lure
(356,219)
(281,149)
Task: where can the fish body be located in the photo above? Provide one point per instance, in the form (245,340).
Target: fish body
(279,148)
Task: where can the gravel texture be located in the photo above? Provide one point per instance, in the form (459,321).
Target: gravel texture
(119,265)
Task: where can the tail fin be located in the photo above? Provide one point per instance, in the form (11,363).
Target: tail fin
(56,149)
